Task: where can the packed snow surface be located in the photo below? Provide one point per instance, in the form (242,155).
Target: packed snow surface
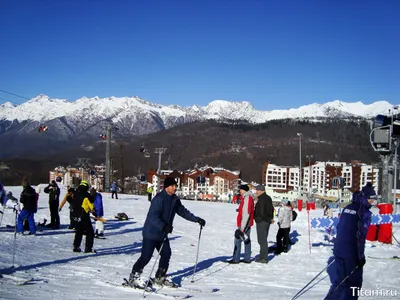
(58,273)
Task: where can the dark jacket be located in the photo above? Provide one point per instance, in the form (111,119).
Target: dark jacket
(79,196)
(352,228)
(162,211)
(53,191)
(264,210)
(28,198)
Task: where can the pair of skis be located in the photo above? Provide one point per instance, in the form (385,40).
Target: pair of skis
(390,257)
(153,288)
(22,281)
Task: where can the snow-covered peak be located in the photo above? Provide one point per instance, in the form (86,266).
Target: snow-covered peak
(119,109)
(218,106)
(7,105)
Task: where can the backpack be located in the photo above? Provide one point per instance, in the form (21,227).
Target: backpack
(121,216)
(294,215)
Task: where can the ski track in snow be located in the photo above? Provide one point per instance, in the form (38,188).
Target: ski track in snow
(58,273)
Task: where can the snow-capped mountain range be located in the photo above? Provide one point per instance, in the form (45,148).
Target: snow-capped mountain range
(133,115)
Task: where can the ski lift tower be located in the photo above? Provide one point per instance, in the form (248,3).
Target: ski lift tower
(108,157)
(385,139)
(159,151)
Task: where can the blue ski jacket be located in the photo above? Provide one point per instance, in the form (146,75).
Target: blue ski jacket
(162,211)
(98,205)
(113,187)
(352,228)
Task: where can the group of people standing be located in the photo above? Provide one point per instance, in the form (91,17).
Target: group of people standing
(259,208)
(84,205)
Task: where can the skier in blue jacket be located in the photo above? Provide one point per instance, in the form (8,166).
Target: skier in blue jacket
(350,244)
(156,228)
(114,190)
(98,206)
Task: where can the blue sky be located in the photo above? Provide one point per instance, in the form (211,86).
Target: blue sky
(276,54)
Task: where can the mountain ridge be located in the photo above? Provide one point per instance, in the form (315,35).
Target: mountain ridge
(87,118)
(43,108)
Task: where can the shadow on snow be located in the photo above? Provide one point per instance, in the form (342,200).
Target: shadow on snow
(125,249)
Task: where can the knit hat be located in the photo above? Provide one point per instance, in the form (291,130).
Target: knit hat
(260,187)
(286,202)
(244,187)
(92,191)
(368,191)
(25,182)
(169,181)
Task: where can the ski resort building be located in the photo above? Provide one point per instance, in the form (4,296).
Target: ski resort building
(207,183)
(319,179)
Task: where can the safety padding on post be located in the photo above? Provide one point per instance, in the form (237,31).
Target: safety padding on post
(372,233)
(299,204)
(385,230)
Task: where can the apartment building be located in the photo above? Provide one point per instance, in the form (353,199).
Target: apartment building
(204,182)
(71,176)
(317,178)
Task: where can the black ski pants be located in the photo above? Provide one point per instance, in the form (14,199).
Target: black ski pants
(283,233)
(71,218)
(54,216)
(84,225)
(114,193)
(148,247)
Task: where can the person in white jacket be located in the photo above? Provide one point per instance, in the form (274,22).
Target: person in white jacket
(284,220)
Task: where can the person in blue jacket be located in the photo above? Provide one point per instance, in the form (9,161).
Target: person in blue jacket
(156,228)
(114,190)
(98,206)
(349,245)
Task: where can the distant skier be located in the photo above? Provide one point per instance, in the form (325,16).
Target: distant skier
(150,192)
(69,197)
(3,195)
(155,232)
(328,211)
(28,199)
(114,190)
(54,198)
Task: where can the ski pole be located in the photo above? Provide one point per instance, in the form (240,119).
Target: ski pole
(15,235)
(197,255)
(299,292)
(2,215)
(331,292)
(154,265)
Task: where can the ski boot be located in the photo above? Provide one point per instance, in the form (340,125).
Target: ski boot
(162,280)
(135,281)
